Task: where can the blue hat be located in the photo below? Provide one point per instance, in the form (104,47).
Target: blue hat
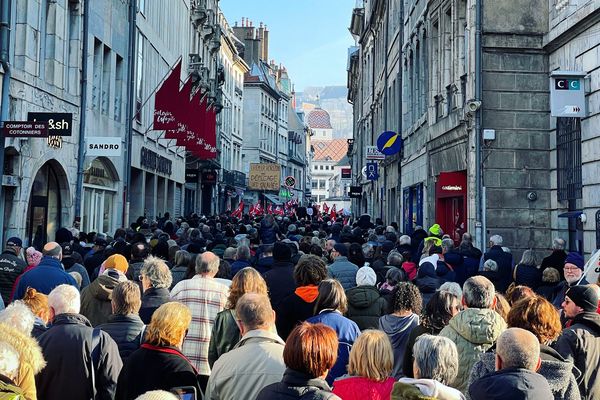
(575,259)
(15,242)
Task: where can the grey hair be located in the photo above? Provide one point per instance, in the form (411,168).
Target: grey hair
(452,287)
(395,259)
(243,252)
(404,240)
(528,258)
(496,240)
(205,264)
(518,348)
(436,357)
(18,315)
(558,244)
(157,272)
(506,249)
(368,250)
(490,265)
(467,238)
(182,257)
(447,244)
(478,292)
(9,361)
(64,299)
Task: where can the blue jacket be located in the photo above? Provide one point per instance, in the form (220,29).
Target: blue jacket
(344,271)
(511,383)
(238,265)
(43,278)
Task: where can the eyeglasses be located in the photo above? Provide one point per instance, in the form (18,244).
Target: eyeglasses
(141,278)
(571,269)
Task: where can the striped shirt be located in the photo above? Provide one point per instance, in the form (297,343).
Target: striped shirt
(205,297)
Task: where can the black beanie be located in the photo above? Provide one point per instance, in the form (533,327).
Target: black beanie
(281,252)
(584,296)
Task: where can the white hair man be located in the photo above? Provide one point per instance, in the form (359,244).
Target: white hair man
(69,346)
(475,329)
(257,359)
(504,261)
(206,298)
(517,359)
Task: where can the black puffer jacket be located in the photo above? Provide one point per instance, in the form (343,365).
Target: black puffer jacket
(365,306)
(151,300)
(126,331)
(511,383)
(297,385)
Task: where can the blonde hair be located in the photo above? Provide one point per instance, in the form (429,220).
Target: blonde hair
(372,356)
(169,324)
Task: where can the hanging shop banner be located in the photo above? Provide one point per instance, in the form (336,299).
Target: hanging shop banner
(59,124)
(374,154)
(265,176)
(102,146)
(209,176)
(164,118)
(355,192)
(25,129)
(346,173)
(389,143)
(372,171)
(567,94)
(191,175)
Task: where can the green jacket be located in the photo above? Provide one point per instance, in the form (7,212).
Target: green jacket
(474,331)
(365,306)
(404,391)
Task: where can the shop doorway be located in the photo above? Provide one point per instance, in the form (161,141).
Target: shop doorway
(451,204)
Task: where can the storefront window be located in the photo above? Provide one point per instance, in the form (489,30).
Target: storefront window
(44,215)
(100,185)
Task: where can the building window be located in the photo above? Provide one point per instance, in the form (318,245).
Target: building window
(97,74)
(119,78)
(568,152)
(106,67)
(139,76)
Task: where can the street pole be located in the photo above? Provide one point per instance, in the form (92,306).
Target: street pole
(479,196)
(129,114)
(5,13)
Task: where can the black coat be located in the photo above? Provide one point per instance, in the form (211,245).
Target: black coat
(504,261)
(511,383)
(291,311)
(153,369)
(67,350)
(126,331)
(11,267)
(471,257)
(555,260)
(528,275)
(151,300)
(297,385)
(280,282)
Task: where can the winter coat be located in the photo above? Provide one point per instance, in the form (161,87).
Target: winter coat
(297,385)
(398,330)
(555,260)
(428,281)
(255,362)
(238,265)
(46,276)
(151,300)
(133,272)
(504,261)
(344,271)
(411,270)
(474,331)
(365,306)
(580,344)
(126,331)
(280,282)
(424,389)
(527,275)
(360,388)
(155,368)
(96,298)
(347,332)
(380,271)
(264,264)
(30,357)
(80,269)
(225,335)
(557,371)
(407,364)
(268,232)
(547,290)
(471,257)
(67,348)
(178,273)
(11,267)
(511,383)
(296,308)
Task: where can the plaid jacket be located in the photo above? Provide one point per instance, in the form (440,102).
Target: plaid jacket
(205,297)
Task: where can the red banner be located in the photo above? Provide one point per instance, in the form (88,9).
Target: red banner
(164,117)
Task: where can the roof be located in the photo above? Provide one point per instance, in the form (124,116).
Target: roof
(318,119)
(333,150)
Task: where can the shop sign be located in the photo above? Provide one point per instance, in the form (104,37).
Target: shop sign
(389,143)
(155,162)
(102,146)
(372,171)
(59,124)
(290,181)
(374,154)
(355,192)
(346,173)
(265,176)
(567,94)
(191,175)
(209,177)
(25,129)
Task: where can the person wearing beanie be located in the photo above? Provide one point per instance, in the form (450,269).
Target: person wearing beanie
(11,267)
(96,298)
(573,271)
(365,304)
(280,278)
(579,343)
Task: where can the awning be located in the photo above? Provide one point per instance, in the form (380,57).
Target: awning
(570,214)
(273,199)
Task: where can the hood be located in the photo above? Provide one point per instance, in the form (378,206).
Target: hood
(28,348)
(433,259)
(395,327)
(478,326)
(590,320)
(434,389)
(362,296)
(511,383)
(102,287)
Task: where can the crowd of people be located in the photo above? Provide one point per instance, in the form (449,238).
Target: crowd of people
(293,308)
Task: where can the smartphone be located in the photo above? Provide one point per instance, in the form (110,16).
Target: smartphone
(185,392)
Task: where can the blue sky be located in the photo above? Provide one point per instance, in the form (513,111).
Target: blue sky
(309,37)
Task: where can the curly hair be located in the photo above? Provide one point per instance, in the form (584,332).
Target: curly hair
(247,280)
(310,270)
(439,310)
(407,298)
(537,315)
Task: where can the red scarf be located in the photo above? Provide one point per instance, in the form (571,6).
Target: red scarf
(169,350)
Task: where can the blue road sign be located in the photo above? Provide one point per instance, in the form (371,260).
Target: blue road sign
(389,143)
(372,173)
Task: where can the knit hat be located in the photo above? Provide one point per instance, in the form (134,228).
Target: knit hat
(117,262)
(435,230)
(365,276)
(33,256)
(584,296)
(282,252)
(575,259)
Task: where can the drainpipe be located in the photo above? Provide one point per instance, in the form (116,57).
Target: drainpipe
(83,109)
(479,195)
(4,60)
(399,192)
(129,111)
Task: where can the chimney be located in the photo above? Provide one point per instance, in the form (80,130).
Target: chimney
(265,43)
(243,21)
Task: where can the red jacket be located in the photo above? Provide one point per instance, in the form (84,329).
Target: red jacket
(359,388)
(411,269)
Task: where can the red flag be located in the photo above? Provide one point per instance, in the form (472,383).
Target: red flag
(239,210)
(270,208)
(279,210)
(164,109)
(258,210)
(179,104)
(333,213)
(325,208)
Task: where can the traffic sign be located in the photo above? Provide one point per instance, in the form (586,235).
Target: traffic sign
(372,172)
(389,143)
(290,181)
